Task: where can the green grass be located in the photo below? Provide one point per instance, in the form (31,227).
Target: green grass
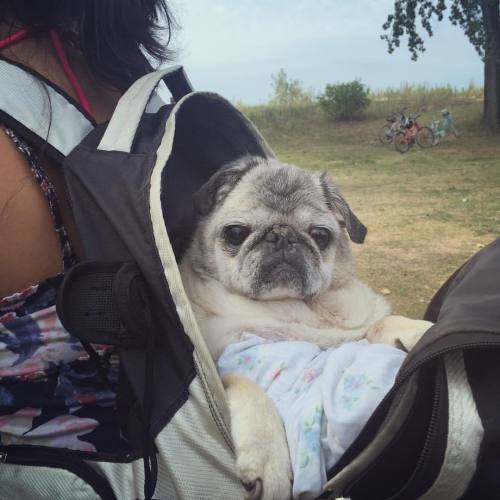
(427,210)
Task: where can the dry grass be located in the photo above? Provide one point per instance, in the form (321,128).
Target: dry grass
(423,97)
(427,211)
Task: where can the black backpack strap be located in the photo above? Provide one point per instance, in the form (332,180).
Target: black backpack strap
(108,303)
(39,112)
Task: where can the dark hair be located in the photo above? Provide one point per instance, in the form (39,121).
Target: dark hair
(119,39)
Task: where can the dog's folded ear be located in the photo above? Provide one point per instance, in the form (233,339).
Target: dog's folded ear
(336,202)
(215,190)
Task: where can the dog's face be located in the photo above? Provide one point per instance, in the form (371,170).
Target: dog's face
(271,231)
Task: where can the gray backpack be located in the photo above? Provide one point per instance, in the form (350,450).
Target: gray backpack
(131,183)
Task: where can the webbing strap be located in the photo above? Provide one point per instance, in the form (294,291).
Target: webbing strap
(121,130)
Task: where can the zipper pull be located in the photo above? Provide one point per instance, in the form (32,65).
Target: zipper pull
(3,457)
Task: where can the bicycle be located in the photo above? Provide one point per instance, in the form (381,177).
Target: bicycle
(441,127)
(387,133)
(413,133)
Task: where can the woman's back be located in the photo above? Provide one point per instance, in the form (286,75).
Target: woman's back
(29,250)
(109,44)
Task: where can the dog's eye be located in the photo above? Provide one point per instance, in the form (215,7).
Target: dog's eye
(321,236)
(236,235)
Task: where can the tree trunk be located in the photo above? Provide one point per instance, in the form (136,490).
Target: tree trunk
(491,21)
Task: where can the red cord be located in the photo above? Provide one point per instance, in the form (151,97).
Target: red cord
(25,33)
(69,73)
(16,37)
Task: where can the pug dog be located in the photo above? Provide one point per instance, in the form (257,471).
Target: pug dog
(271,255)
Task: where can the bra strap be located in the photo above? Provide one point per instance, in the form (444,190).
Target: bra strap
(15,38)
(56,42)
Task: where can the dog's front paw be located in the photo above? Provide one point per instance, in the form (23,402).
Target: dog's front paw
(262,456)
(265,473)
(398,331)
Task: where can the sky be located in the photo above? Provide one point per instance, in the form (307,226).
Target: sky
(234,46)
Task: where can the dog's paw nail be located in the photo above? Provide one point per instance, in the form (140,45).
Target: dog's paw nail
(254,487)
(249,486)
(399,345)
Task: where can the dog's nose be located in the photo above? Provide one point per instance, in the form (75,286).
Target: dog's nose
(281,236)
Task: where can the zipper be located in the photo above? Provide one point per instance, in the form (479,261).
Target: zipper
(432,430)
(397,385)
(408,490)
(444,350)
(30,455)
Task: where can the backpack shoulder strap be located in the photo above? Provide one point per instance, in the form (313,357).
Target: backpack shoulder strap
(39,112)
(122,128)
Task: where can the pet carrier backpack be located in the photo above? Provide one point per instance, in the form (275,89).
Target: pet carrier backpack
(131,183)
(120,192)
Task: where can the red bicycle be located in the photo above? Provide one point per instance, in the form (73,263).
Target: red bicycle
(411,134)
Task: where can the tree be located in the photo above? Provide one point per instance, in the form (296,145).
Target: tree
(480,20)
(288,92)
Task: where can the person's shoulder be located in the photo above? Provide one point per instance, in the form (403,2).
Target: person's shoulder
(30,250)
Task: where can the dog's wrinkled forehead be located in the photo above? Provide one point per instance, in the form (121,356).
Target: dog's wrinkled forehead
(282,188)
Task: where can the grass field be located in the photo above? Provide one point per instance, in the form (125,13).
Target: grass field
(427,211)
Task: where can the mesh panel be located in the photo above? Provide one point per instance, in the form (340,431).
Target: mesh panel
(21,482)
(89,303)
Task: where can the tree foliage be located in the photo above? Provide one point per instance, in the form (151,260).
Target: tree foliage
(464,13)
(288,92)
(480,21)
(344,101)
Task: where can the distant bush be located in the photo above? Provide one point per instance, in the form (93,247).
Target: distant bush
(344,101)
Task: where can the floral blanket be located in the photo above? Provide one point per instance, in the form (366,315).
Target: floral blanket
(323,397)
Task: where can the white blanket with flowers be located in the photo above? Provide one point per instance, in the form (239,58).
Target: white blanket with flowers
(323,397)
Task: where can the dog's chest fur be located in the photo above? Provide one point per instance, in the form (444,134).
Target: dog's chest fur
(223,316)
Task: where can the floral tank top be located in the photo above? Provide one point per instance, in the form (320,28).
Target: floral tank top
(51,392)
